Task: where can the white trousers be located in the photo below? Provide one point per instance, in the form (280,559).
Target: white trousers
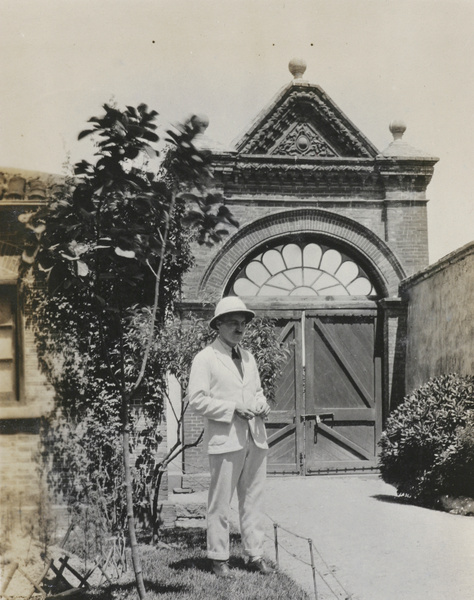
(244,470)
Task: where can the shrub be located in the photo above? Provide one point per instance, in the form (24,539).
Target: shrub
(261,338)
(427,448)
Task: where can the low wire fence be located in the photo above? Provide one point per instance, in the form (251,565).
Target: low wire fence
(311,557)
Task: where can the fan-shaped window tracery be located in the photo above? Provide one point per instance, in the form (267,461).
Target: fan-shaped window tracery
(310,269)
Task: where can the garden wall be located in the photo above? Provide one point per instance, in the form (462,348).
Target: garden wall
(440,321)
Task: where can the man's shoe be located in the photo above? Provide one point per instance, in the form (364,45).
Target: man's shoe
(258,564)
(221,569)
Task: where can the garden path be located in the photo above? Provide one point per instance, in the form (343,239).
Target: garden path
(368,543)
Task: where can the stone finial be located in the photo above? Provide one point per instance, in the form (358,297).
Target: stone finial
(399,148)
(200,122)
(397,128)
(201,141)
(297,67)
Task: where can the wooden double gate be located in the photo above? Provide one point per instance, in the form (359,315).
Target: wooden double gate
(327,412)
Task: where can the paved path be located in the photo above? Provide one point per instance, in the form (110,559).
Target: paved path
(368,544)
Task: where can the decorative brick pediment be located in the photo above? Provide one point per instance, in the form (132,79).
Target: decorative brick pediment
(302,140)
(304,121)
(303,145)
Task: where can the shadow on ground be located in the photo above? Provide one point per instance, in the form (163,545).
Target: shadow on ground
(394,499)
(116,590)
(199,564)
(205,565)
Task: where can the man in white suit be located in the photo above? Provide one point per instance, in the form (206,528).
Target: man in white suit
(224,388)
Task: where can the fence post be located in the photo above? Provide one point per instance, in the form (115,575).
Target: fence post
(275,531)
(310,542)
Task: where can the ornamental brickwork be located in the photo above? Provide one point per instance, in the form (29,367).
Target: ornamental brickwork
(302,152)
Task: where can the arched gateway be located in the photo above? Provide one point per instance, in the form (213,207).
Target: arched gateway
(320,276)
(329,228)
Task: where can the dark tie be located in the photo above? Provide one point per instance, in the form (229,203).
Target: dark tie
(237,360)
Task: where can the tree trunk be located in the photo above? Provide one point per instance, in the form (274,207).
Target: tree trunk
(137,568)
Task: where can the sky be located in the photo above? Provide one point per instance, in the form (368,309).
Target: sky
(378,60)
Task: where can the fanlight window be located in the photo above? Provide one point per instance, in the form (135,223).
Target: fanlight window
(306,270)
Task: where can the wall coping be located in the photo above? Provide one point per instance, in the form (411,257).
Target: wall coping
(442,264)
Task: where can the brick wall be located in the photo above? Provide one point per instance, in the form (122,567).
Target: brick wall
(440,324)
(19,479)
(19,426)
(36,393)
(407,234)
(196,458)
(389,234)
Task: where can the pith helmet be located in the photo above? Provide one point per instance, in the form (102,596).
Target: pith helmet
(230,304)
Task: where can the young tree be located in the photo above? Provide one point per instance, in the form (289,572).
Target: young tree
(109,244)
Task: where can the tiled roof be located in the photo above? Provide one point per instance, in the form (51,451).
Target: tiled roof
(19,185)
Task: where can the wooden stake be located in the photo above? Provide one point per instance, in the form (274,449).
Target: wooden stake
(36,586)
(275,531)
(310,542)
(67,594)
(8,577)
(82,578)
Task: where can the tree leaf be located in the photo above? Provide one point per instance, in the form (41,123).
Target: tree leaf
(152,153)
(124,253)
(25,217)
(189,197)
(85,133)
(82,269)
(29,258)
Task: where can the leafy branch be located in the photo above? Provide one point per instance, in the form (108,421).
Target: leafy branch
(101,252)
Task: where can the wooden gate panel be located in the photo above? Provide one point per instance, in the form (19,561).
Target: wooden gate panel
(283,425)
(342,369)
(345,348)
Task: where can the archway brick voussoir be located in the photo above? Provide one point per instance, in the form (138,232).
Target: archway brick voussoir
(383,262)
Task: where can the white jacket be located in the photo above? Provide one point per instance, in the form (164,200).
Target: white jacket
(215,386)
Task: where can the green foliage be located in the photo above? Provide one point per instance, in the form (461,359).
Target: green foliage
(102,267)
(427,448)
(178,343)
(106,235)
(85,465)
(101,235)
(261,339)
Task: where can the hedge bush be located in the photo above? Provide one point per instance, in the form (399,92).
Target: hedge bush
(427,447)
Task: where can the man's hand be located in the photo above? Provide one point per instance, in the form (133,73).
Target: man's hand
(243,412)
(262,410)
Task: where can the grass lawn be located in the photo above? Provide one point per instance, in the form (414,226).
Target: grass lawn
(178,569)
